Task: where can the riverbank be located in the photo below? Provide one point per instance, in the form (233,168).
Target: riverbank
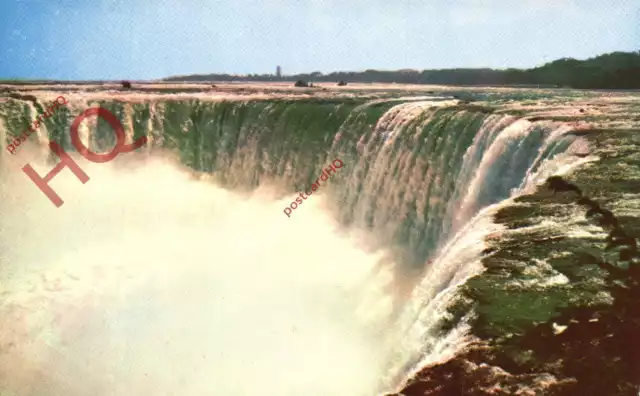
(557,306)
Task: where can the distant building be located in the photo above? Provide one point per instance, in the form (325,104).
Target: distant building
(279,72)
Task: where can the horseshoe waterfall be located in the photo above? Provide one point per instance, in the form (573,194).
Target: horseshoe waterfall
(478,241)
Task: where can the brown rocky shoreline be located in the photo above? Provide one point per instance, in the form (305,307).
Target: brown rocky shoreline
(564,340)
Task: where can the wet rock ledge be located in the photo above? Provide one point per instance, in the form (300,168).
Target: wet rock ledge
(558,307)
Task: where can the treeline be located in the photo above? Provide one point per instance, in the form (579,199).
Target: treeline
(617,70)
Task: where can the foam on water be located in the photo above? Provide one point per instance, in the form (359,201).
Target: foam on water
(146,281)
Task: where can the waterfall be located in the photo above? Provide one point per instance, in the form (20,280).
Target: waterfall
(173,270)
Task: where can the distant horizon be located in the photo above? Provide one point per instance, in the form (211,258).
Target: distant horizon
(285,76)
(146,40)
(403,69)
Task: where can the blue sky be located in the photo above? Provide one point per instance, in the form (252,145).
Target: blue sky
(148,39)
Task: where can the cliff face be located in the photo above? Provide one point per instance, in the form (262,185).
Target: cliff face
(555,308)
(558,305)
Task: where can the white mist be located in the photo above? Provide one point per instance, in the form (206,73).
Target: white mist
(148,282)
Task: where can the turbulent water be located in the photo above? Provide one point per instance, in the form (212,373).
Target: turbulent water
(174,269)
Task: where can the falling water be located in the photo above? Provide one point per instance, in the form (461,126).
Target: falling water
(157,277)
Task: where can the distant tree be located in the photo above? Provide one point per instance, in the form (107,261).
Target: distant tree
(617,70)
(126,84)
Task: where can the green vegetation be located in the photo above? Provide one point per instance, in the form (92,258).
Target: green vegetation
(617,70)
(557,308)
